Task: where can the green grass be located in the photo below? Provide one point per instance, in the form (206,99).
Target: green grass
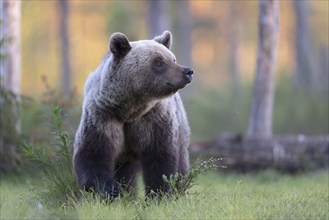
(266,195)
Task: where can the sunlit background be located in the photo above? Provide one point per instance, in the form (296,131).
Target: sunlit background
(218,39)
(278,172)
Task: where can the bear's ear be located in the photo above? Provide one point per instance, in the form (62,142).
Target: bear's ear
(164,39)
(119,45)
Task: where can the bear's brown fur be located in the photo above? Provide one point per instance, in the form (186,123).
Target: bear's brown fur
(133,118)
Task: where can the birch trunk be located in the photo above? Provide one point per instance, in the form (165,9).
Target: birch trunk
(183,45)
(260,119)
(285,153)
(158,17)
(10,78)
(66,79)
(304,48)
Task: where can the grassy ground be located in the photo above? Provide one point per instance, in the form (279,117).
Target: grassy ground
(267,195)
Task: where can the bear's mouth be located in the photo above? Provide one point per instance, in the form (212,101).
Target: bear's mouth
(176,87)
(171,85)
(188,78)
(172,88)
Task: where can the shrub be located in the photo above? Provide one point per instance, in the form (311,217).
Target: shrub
(179,184)
(55,164)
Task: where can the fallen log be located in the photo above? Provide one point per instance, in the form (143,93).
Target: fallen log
(285,153)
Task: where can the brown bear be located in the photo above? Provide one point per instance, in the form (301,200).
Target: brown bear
(133,118)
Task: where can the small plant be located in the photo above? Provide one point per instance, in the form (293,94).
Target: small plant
(9,129)
(180,183)
(56,163)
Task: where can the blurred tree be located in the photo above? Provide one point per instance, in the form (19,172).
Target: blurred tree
(10,78)
(158,17)
(184,46)
(233,38)
(260,119)
(66,79)
(124,17)
(304,47)
(324,69)
(184,32)
(231,34)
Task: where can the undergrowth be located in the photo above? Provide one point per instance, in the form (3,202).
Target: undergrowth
(60,187)
(179,184)
(54,160)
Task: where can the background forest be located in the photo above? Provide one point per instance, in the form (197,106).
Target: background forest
(217,38)
(48,49)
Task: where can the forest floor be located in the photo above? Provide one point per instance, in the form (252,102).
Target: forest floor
(263,195)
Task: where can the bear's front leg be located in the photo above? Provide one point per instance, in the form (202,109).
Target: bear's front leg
(158,158)
(95,149)
(155,164)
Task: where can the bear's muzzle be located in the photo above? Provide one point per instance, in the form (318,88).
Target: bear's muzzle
(188,73)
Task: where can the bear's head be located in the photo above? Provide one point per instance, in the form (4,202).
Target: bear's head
(147,67)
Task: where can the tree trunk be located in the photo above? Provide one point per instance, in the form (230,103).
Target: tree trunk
(184,33)
(304,47)
(66,79)
(324,69)
(158,18)
(260,119)
(285,153)
(10,42)
(10,78)
(232,37)
(234,66)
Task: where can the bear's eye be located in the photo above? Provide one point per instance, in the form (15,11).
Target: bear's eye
(174,60)
(158,63)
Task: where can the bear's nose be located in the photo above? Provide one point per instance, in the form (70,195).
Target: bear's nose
(188,71)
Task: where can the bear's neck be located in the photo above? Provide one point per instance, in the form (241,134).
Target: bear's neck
(123,108)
